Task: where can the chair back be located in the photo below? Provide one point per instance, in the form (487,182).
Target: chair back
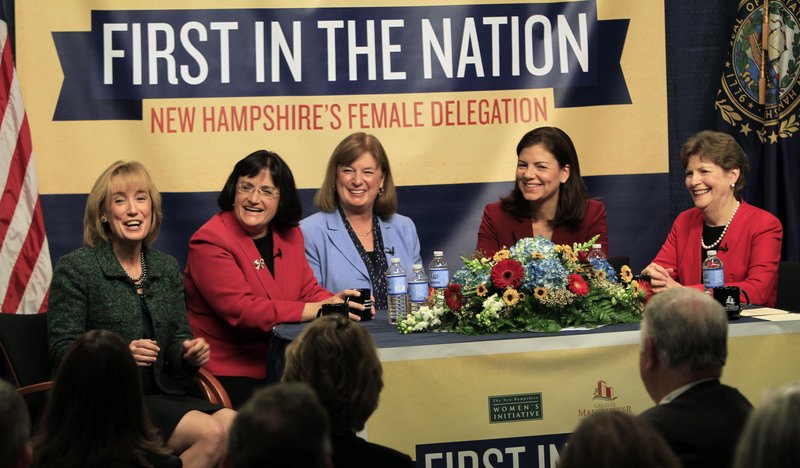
(788,286)
(24,347)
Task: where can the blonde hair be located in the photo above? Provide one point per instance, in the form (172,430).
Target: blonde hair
(121,173)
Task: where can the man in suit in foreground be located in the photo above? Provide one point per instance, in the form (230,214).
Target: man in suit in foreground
(684,347)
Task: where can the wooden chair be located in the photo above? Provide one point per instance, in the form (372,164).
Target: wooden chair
(788,286)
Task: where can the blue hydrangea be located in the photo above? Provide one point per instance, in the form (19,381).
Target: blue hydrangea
(601,264)
(524,248)
(546,272)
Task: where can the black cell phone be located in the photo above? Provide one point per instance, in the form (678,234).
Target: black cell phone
(641,278)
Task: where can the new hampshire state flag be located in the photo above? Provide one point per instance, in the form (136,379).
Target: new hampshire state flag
(767,126)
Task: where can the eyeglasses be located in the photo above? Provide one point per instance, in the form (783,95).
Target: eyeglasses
(270,193)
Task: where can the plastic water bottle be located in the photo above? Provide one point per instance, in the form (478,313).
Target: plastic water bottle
(417,288)
(596,253)
(713,274)
(397,284)
(438,273)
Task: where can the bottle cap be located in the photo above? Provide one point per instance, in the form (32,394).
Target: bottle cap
(597,246)
(416,266)
(712,253)
(395,260)
(438,253)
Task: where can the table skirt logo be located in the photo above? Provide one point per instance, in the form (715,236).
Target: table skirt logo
(604,398)
(603,392)
(520,407)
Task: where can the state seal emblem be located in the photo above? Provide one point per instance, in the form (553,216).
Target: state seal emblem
(738,97)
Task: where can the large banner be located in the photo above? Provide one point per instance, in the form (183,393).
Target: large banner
(188,88)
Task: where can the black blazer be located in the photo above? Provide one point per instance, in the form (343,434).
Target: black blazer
(703,424)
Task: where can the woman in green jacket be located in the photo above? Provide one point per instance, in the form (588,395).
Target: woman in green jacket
(118,283)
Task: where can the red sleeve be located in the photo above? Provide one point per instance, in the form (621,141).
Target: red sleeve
(761,267)
(595,222)
(488,242)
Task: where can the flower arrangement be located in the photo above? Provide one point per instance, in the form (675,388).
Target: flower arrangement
(535,285)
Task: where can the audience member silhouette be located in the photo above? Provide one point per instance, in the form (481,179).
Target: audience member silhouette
(613,439)
(684,348)
(15,427)
(279,426)
(771,437)
(338,359)
(95,416)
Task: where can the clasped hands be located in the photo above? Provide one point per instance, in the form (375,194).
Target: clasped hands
(311,308)
(660,277)
(196,352)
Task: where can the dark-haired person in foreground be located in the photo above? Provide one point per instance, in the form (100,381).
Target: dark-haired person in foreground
(247,272)
(338,359)
(549,198)
(684,348)
(15,427)
(282,425)
(96,416)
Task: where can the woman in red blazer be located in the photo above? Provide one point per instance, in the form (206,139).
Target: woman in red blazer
(549,198)
(247,272)
(747,239)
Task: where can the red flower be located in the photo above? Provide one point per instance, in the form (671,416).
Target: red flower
(453,297)
(645,286)
(583,256)
(507,273)
(578,285)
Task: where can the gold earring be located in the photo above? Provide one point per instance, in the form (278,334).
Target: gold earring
(103,219)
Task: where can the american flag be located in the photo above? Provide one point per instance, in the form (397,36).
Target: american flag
(25,268)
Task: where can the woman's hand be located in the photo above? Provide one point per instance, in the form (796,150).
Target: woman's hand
(196,352)
(660,277)
(144,352)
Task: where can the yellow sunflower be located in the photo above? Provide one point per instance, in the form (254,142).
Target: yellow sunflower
(540,293)
(501,255)
(511,297)
(625,273)
(538,255)
(481,290)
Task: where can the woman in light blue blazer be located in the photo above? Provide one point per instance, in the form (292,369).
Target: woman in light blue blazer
(350,241)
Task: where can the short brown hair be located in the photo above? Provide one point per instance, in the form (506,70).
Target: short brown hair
(720,149)
(338,359)
(121,172)
(347,151)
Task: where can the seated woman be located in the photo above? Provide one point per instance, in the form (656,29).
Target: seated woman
(247,272)
(549,198)
(119,283)
(338,359)
(96,416)
(350,242)
(747,239)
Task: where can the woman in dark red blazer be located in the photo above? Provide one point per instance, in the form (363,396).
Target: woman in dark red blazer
(747,239)
(247,272)
(549,198)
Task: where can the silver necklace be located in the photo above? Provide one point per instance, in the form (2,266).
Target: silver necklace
(724,230)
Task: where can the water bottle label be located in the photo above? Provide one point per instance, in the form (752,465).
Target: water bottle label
(418,292)
(440,278)
(713,278)
(397,285)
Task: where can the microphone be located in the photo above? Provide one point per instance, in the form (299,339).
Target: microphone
(389,251)
(278,255)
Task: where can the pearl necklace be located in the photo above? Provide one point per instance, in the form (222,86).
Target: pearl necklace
(724,230)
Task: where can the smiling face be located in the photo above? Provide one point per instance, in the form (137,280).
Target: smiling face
(254,211)
(709,184)
(539,175)
(358,183)
(128,212)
